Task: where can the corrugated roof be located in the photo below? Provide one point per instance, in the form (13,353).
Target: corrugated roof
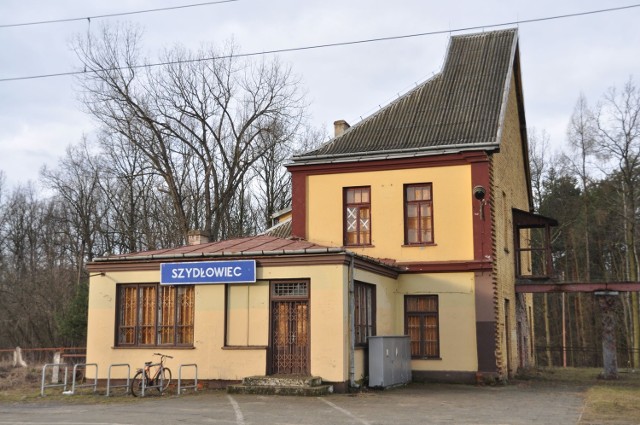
(460,108)
(280,230)
(249,247)
(253,244)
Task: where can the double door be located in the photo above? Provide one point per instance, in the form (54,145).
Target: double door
(289,348)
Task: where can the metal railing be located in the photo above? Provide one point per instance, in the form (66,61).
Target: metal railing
(195,383)
(75,375)
(55,383)
(38,356)
(127,385)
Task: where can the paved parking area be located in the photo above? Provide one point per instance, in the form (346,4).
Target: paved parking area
(415,404)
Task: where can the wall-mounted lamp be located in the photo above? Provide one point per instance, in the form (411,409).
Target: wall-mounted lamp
(479,192)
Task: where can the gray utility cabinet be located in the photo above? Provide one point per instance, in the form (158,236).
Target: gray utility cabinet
(389,361)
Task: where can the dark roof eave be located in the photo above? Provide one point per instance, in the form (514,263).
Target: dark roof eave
(525,218)
(187,256)
(393,154)
(180,256)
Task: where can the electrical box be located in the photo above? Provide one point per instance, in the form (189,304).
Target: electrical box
(389,361)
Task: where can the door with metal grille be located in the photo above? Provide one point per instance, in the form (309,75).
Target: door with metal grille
(289,328)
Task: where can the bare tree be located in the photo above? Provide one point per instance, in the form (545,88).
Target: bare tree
(202,120)
(272,182)
(539,162)
(581,135)
(36,277)
(76,182)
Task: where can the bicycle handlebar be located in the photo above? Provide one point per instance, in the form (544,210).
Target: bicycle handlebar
(163,355)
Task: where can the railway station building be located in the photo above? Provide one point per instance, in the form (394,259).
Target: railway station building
(411,222)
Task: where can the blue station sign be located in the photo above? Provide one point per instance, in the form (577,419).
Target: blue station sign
(208,272)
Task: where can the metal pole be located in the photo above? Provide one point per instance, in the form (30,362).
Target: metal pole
(352,326)
(564,336)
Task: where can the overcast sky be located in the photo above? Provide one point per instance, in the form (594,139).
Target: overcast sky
(560,58)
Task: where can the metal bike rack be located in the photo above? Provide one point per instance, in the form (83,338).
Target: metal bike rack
(66,374)
(144,381)
(95,379)
(195,384)
(109,386)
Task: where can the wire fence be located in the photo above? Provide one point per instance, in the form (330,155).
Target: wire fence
(545,356)
(576,356)
(40,356)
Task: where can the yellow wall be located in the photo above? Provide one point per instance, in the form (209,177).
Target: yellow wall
(456,315)
(248,322)
(248,312)
(328,327)
(329,337)
(328,315)
(284,216)
(452,213)
(386,291)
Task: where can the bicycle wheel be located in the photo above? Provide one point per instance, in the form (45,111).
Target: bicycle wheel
(166,373)
(136,384)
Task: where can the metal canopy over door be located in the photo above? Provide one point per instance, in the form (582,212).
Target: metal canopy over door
(289,328)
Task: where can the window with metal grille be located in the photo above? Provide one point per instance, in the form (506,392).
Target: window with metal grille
(418,214)
(150,315)
(421,324)
(357,216)
(365,312)
(290,290)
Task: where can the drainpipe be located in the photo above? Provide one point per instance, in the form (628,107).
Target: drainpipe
(352,324)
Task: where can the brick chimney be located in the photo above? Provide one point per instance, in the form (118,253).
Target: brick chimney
(197,237)
(340,127)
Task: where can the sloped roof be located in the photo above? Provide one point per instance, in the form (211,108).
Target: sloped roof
(461,108)
(261,246)
(253,245)
(280,230)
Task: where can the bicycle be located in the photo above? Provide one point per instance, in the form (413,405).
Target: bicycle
(160,379)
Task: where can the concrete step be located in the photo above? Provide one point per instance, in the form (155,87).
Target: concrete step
(282,381)
(315,391)
(281,385)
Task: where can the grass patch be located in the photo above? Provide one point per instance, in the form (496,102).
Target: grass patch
(606,401)
(612,404)
(18,383)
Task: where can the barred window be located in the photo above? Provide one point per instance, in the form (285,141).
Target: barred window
(421,324)
(150,315)
(290,289)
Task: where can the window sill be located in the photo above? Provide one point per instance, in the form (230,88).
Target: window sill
(244,347)
(153,347)
(426,358)
(359,246)
(419,245)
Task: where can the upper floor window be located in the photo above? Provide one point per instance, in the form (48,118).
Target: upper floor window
(357,216)
(418,214)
